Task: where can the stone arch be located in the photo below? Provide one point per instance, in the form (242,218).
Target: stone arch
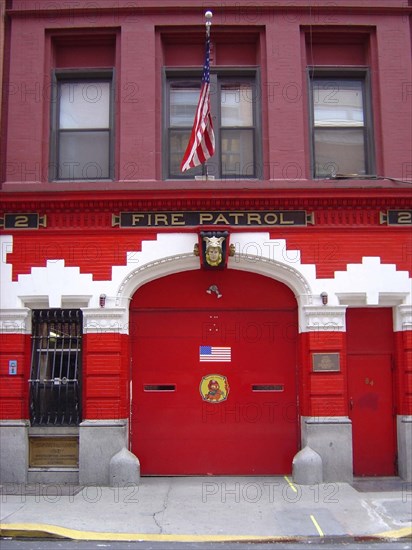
(169,265)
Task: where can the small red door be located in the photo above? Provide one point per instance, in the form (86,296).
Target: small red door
(371,412)
(193,414)
(370,390)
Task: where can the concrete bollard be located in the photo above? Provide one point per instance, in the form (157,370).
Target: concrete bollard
(124,469)
(307,467)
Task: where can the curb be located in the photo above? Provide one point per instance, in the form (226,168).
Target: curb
(42,530)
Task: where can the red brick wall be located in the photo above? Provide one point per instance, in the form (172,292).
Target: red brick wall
(323,394)
(106,373)
(14,388)
(96,252)
(404,372)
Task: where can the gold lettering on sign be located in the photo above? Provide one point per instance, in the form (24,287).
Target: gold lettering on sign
(21,221)
(404,217)
(177,219)
(205,217)
(161,219)
(396,217)
(136,218)
(221,219)
(167,219)
(283,221)
(251,218)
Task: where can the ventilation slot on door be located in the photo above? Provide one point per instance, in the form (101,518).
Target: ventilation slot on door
(159,387)
(267,387)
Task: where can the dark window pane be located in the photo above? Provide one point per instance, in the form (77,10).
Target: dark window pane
(339,151)
(84,155)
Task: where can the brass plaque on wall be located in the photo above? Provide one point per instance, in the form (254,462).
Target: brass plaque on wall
(52,452)
(326,362)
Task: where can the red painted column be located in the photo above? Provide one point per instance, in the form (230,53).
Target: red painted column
(14,388)
(403,342)
(323,393)
(105,376)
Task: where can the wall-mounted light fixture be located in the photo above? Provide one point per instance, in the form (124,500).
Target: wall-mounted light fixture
(324,296)
(215,290)
(102,300)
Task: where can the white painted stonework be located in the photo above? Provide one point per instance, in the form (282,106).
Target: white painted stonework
(368,284)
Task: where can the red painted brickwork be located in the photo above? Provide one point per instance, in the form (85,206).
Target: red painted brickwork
(279,50)
(93,253)
(106,372)
(14,388)
(96,253)
(331,250)
(404,371)
(323,393)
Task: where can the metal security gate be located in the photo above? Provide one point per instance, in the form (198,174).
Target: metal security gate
(214,378)
(55,367)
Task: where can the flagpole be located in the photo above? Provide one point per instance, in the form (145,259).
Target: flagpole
(208,24)
(208,15)
(201,144)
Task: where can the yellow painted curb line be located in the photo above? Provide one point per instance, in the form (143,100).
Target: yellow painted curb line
(396,534)
(42,530)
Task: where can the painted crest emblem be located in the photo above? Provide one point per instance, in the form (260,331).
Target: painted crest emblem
(214,388)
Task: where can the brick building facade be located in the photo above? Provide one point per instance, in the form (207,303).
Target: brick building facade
(110,321)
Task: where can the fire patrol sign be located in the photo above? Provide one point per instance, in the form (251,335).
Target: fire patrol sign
(257,218)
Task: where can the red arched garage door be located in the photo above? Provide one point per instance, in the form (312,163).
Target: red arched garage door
(214,378)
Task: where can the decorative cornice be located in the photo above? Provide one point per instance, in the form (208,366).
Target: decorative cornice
(404,317)
(147,7)
(332,207)
(15,321)
(324,318)
(102,320)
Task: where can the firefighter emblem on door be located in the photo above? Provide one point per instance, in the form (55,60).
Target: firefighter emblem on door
(214,388)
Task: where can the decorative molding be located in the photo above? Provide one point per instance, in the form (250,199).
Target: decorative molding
(403,317)
(133,281)
(102,320)
(254,264)
(324,318)
(360,299)
(326,420)
(35,302)
(15,321)
(342,207)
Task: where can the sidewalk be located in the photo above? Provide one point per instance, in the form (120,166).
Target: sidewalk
(210,509)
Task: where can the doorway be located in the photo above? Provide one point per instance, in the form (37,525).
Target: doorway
(214,375)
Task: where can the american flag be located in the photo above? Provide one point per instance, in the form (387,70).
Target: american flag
(201,144)
(215,354)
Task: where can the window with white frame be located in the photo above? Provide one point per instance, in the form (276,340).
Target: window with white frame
(82,126)
(341,123)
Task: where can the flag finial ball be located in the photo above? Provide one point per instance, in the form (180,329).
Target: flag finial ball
(208,14)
